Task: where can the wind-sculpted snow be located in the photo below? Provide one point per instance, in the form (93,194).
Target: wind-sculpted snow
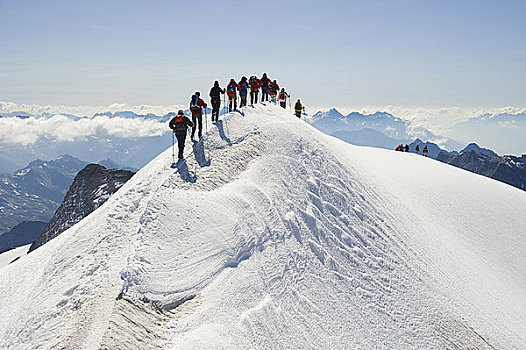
(274,236)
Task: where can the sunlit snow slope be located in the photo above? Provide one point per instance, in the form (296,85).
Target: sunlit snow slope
(275,236)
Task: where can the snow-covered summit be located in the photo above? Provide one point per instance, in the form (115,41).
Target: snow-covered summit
(273,235)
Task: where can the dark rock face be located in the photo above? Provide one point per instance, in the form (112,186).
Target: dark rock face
(91,188)
(22,234)
(507,169)
(35,192)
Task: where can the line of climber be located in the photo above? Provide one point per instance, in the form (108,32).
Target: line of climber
(269,89)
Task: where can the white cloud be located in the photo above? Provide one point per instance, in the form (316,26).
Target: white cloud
(58,126)
(29,130)
(510,124)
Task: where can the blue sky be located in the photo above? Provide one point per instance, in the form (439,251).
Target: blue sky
(329,53)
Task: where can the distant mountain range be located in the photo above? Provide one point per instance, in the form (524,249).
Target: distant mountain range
(504,132)
(34,192)
(366,137)
(380,129)
(131,152)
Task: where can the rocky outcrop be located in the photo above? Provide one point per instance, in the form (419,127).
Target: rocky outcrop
(92,186)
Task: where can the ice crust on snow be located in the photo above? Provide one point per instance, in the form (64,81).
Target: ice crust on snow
(273,235)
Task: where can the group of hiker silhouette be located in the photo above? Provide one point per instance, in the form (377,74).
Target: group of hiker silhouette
(270,91)
(405,148)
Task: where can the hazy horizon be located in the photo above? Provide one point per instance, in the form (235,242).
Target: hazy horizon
(502,137)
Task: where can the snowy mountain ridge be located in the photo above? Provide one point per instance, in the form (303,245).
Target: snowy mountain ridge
(273,235)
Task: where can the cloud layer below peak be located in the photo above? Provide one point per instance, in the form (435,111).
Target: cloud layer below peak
(54,122)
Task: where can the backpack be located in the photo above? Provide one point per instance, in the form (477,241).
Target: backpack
(179,124)
(231,87)
(194,104)
(282,96)
(272,87)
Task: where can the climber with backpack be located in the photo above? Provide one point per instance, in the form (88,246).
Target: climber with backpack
(273,89)
(425,151)
(254,83)
(196,103)
(265,82)
(243,91)
(298,108)
(231,92)
(179,124)
(215,98)
(283,98)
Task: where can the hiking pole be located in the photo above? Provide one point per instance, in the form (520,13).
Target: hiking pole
(173,145)
(206,122)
